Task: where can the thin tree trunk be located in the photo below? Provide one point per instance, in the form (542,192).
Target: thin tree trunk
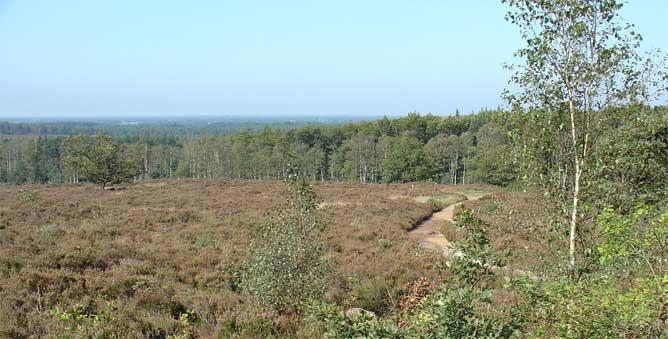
(452,174)
(145,176)
(574,217)
(464,176)
(576,190)
(456,167)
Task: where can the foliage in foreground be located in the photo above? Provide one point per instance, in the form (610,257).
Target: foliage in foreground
(477,261)
(287,267)
(623,294)
(597,307)
(450,312)
(626,295)
(460,307)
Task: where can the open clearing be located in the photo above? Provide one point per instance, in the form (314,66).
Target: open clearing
(143,256)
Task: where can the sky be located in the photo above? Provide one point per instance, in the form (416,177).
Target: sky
(153,58)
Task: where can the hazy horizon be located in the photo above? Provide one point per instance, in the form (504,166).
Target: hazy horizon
(197,118)
(85,60)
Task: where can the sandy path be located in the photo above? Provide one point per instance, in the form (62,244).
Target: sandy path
(429,235)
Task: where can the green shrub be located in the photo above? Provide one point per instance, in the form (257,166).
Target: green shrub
(100,160)
(597,307)
(459,313)
(478,260)
(287,267)
(637,240)
(449,313)
(625,296)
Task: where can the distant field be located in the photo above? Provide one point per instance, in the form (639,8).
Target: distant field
(139,258)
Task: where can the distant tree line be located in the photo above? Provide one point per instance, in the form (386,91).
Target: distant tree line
(132,129)
(492,146)
(455,150)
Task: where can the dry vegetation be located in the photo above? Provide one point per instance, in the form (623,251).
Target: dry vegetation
(519,228)
(164,258)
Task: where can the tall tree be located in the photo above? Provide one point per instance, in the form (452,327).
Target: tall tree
(491,158)
(100,160)
(437,148)
(580,60)
(406,161)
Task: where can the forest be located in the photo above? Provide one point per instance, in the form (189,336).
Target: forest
(451,149)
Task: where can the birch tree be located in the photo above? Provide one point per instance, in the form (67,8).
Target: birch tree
(580,59)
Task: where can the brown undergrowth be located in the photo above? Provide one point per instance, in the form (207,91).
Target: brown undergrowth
(166,257)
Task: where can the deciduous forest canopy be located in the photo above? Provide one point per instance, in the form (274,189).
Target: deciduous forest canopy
(417,147)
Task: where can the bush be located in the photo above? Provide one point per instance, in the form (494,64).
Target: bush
(625,296)
(448,313)
(598,307)
(477,260)
(329,321)
(287,267)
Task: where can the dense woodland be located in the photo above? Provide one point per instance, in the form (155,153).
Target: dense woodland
(455,149)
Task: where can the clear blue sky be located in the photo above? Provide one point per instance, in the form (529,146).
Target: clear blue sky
(162,57)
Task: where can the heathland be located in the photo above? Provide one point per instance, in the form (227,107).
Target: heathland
(547,219)
(133,261)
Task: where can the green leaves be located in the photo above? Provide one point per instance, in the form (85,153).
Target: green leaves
(287,267)
(100,160)
(580,62)
(447,313)
(617,231)
(635,241)
(595,308)
(405,160)
(478,259)
(631,161)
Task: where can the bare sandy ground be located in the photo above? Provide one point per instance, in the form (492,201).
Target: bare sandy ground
(429,233)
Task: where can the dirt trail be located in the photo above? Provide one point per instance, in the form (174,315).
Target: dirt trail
(429,235)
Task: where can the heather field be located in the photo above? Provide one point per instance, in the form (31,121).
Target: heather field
(219,171)
(160,258)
